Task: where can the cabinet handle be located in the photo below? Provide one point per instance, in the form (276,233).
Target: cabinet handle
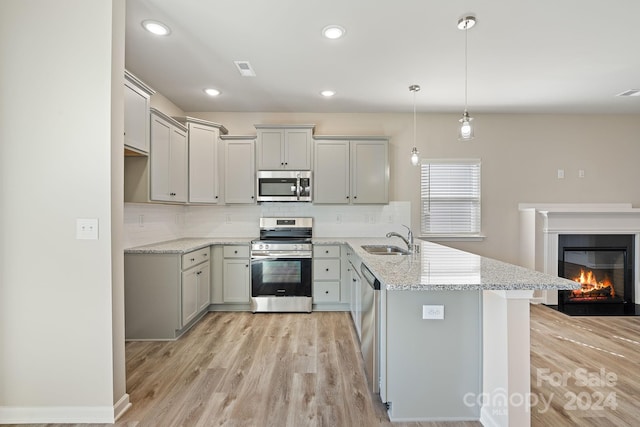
(327,269)
(172,194)
(285,163)
(353,280)
(326,292)
(246,265)
(235,252)
(326,252)
(193,259)
(355,197)
(347,197)
(216,197)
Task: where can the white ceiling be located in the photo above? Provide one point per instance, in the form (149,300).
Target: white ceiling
(542,56)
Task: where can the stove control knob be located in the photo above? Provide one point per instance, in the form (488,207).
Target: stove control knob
(266,246)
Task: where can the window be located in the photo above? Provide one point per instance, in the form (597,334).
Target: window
(450,196)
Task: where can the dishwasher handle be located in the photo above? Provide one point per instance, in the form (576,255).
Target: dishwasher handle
(370,278)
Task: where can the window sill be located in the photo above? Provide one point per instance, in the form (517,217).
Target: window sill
(453,237)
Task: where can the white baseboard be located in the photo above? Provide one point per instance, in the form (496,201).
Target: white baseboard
(64,414)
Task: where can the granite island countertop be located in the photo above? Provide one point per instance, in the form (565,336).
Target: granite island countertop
(434,267)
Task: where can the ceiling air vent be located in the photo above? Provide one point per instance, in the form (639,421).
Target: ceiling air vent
(630,92)
(245,68)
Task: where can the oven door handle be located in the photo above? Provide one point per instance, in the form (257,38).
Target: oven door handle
(280,255)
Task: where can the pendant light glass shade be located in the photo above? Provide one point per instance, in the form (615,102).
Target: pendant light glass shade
(415,158)
(415,154)
(466,127)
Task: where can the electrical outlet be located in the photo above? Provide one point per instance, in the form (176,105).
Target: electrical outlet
(560,173)
(87,228)
(581,173)
(338,219)
(431,312)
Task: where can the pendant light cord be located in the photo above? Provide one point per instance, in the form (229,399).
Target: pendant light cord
(414,117)
(466,30)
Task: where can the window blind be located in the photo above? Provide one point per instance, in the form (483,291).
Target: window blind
(450,195)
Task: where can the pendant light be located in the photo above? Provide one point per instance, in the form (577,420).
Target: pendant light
(466,128)
(415,158)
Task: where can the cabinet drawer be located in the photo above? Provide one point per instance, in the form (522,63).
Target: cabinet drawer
(326,269)
(326,251)
(194,258)
(236,251)
(326,292)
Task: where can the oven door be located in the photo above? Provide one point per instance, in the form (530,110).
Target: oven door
(280,276)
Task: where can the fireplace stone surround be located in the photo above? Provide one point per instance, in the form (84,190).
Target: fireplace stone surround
(542,224)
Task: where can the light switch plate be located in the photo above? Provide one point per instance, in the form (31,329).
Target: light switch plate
(87,228)
(431,312)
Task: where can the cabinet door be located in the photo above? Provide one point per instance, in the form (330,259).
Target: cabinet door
(168,162)
(270,149)
(239,182)
(160,159)
(331,172)
(369,172)
(236,281)
(136,118)
(178,166)
(203,164)
(204,285)
(189,295)
(297,149)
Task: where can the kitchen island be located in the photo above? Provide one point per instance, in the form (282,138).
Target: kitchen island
(454,333)
(453,329)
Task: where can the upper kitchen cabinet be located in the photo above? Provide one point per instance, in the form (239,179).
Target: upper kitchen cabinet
(351,170)
(168,159)
(284,147)
(240,170)
(136,115)
(204,149)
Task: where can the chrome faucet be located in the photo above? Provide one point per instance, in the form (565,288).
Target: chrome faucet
(408,240)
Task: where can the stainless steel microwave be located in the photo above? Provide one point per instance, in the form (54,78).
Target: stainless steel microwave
(284,186)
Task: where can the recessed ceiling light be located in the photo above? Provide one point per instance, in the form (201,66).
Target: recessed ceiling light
(212,92)
(328,93)
(333,32)
(155,27)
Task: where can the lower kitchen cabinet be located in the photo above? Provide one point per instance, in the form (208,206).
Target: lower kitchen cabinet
(236,275)
(327,277)
(165,293)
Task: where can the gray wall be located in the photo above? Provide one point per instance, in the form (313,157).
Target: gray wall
(61,304)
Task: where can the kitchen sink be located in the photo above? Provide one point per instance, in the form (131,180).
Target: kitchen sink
(385,250)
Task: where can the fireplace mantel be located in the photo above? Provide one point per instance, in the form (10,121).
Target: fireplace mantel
(542,223)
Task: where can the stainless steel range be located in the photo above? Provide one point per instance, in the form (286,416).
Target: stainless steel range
(281,266)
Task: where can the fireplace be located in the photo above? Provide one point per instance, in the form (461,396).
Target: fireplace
(603,265)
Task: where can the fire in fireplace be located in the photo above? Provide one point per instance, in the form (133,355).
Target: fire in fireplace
(603,265)
(592,288)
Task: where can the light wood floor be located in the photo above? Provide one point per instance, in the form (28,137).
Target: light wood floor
(607,348)
(243,369)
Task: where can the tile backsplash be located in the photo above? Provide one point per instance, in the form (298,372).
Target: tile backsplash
(150,223)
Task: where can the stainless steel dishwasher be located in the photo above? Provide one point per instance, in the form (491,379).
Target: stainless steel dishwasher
(370,340)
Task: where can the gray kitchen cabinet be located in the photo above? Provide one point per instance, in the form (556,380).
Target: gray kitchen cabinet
(204,168)
(355,302)
(195,290)
(168,158)
(239,167)
(350,170)
(165,293)
(137,97)
(236,275)
(327,273)
(284,147)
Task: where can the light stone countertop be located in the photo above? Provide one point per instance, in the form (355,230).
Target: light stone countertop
(435,267)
